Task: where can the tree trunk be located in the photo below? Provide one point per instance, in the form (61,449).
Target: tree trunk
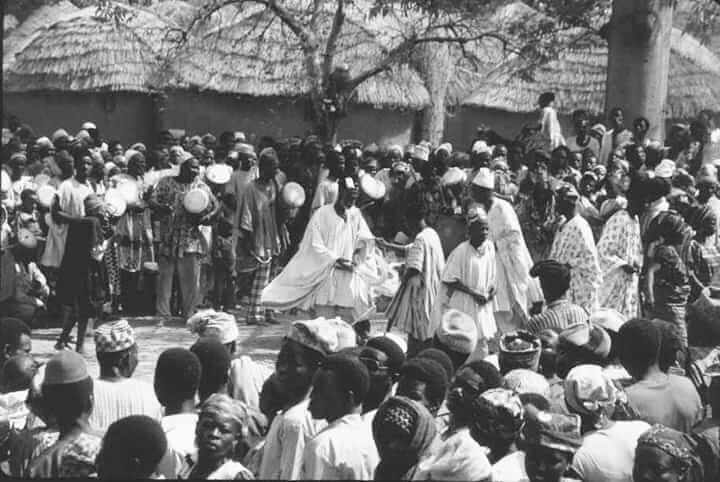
(639,60)
(436,64)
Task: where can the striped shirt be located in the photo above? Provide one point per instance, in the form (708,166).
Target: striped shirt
(558,315)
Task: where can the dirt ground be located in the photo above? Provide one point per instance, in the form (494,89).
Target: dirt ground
(261,343)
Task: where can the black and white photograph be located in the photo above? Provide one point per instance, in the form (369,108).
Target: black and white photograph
(396,240)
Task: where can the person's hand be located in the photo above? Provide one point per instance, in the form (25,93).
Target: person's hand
(344,264)
(629,269)
(491,293)
(481,300)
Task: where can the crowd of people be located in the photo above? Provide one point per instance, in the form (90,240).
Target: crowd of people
(541,296)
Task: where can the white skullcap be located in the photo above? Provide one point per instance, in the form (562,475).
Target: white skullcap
(481,147)
(485,178)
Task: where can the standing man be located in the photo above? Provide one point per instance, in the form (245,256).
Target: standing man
(263,236)
(182,245)
(574,244)
(516,290)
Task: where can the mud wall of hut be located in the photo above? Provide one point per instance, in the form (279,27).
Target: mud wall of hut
(123,116)
(277,117)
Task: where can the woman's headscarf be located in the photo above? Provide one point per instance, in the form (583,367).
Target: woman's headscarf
(589,392)
(498,416)
(216,324)
(405,416)
(680,446)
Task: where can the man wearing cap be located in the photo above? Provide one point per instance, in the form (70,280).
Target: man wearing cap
(574,244)
(469,280)
(456,336)
(182,244)
(68,392)
(116,393)
(322,275)
(516,290)
(262,232)
(302,352)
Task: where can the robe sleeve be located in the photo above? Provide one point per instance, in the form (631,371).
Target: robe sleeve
(317,243)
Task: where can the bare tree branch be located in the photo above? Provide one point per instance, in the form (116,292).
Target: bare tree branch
(331,44)
(306,38)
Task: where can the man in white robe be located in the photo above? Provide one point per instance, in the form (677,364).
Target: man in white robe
(469,281)
(517,291)
(323,273)
(574,244)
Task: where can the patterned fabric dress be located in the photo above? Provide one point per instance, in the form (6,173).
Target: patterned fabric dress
(574,245)
(411,308)
(620,245)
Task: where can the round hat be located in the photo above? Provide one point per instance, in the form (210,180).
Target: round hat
(293,194)
(114,336)
(196,201)
(218,174)
(65,367)
(457,331)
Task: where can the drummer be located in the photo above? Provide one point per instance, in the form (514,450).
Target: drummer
(182,246)
(263,234)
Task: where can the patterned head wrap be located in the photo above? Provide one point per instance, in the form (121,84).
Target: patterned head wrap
(409,417)
(522,381)
(214,324)
(553,430)
(680,446)
(589,391)
(497,410)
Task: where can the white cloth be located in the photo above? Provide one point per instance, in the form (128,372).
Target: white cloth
(285,442)
(510,468)
(476,269)
(550,127)
(344,450)
(72,196)
(310,278)
(14,408)
(120,399)
(246,380)
(514,262)
(459,457)
(608,455)
(326,193)
(230,470)
(180,433)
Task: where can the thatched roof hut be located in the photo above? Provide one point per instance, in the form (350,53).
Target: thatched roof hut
(83,53)
(10,23)
(23,34)
(578,77)
(256,55)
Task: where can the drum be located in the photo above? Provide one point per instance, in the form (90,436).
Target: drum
(453,176)
(196,201)
(218,174)
(372,188)
(452,231)
(293,194)
(26,239)
(115,203)
(46,195)
(129,191)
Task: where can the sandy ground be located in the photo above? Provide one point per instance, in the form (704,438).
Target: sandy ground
(262,343)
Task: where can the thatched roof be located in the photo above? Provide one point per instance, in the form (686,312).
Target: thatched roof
(86,53)
(579,74)
(21,36)
(257,55)
(177,11)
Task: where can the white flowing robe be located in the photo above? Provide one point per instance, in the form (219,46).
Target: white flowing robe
(574,244)
(310,278)
(476,269)
(514,262)
(620,245)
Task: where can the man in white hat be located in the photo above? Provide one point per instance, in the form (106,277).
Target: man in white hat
(323,274)
(516,290)
(574,244)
